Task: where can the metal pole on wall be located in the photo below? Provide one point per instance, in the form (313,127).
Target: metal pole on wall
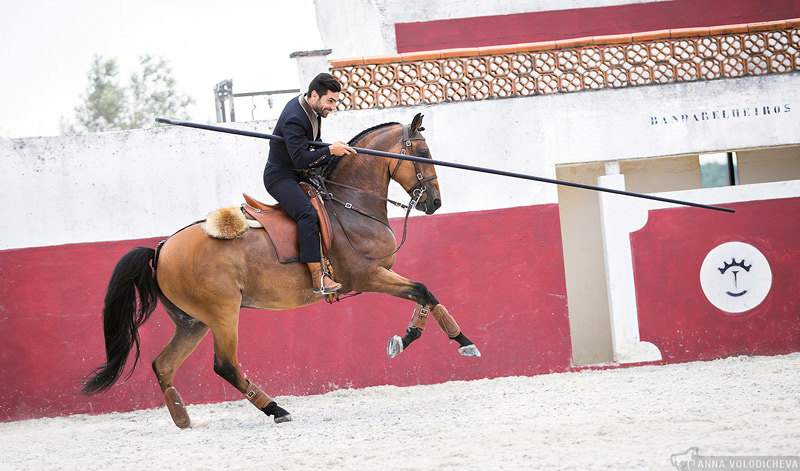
(223,91)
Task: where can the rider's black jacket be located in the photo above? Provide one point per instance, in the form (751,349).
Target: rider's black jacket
(296,127)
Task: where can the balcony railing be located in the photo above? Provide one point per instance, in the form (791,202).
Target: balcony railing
(595,63)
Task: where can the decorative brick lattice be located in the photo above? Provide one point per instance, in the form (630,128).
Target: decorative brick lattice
(570,66)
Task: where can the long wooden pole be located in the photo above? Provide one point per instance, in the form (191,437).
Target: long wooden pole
(412,158)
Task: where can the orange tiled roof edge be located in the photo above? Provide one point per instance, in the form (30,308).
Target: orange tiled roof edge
(570,43)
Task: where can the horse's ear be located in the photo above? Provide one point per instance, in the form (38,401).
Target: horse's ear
(416,124)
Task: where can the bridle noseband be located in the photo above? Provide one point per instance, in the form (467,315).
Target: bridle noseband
(419,187)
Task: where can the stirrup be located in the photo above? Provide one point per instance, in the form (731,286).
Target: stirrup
(322,290)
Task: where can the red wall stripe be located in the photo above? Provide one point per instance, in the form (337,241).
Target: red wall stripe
(584,22)
(500,273)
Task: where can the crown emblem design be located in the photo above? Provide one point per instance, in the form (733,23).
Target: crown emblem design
(734,263)
(735,277)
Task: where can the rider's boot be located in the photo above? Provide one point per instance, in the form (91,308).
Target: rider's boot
(320,281)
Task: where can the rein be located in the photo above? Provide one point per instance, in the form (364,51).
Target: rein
(414,200)
(417,191)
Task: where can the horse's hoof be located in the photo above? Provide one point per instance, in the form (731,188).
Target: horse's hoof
(394,347)
(279,413)
(469,351)
(283,418)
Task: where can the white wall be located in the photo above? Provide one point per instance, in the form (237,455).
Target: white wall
(355,28)
(121,185)
(531,135)
(127,185)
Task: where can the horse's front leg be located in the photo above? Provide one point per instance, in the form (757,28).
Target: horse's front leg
(389,282)
(418,321)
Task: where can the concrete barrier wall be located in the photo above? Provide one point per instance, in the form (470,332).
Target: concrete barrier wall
(687,283)
(493,255)
(121,185)
(743,302)
(148,183)
(499,273)
(378,27)
(587,20)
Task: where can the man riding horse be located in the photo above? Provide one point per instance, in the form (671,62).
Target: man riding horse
(299,123)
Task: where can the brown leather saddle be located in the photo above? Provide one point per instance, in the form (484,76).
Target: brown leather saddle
(282,229)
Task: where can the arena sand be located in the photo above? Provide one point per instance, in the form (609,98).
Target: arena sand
(624,418)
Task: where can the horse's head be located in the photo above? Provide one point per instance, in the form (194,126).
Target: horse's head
(418,179)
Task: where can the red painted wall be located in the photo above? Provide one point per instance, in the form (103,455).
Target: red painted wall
(584,22)
(674,313)
(500,273)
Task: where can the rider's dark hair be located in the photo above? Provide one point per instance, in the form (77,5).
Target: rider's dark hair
(324,83)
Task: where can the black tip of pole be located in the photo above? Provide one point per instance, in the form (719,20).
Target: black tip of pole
(163,120)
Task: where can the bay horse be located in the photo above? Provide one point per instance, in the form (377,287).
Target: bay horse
(202,282)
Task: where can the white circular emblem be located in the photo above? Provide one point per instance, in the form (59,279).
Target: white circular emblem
(735,277)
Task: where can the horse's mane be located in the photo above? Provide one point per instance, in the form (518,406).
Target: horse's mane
(326,172)
(367,131)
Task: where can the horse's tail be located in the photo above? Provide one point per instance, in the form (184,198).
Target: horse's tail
(122,316)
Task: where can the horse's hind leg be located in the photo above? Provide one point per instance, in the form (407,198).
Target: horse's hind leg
(188,334)
(389,282)
(226,364)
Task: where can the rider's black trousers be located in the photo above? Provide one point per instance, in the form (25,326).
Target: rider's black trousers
(291,197)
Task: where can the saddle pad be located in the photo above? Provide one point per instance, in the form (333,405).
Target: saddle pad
(282,229)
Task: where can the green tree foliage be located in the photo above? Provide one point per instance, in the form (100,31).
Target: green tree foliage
(107,105)
(104,102)
(155,93)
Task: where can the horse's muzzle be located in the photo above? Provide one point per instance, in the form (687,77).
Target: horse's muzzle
(431,203)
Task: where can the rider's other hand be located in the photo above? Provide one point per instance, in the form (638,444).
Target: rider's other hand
(340,148)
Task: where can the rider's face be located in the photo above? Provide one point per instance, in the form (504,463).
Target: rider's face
(324,104)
